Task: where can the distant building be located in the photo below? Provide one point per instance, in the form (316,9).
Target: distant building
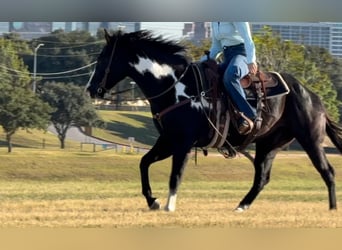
(4,27)
(188,29)
(196,31)
(30,30)
(336,39)
(27,30)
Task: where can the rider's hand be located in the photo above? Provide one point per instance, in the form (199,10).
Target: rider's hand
(253,68)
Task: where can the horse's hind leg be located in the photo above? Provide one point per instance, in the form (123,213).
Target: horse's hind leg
(266,150)
(311,136)
(321,163)
(160,151)
(327,172)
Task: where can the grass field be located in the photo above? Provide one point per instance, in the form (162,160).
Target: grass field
(73,189)
(46,187)
(123,124)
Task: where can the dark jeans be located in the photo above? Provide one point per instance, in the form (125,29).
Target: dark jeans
(235,67)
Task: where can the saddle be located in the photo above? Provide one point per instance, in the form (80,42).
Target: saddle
(272,84)
(259,89)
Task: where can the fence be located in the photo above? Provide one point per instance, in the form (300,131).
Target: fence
(118,148)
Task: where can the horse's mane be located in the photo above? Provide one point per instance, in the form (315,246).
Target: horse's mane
(145,42)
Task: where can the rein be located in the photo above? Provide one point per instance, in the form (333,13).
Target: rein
(104,79)
(117,93)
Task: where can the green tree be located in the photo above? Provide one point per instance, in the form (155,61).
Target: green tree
(329,65)
(72,108)
(307,63)
(19,107)
(195,52)
(64,52)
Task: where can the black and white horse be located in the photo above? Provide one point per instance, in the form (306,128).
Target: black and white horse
(167,80)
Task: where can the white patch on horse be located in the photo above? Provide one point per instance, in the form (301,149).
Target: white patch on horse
(180,91)
(157,70)
(200,104)
(162,70)
(171,203)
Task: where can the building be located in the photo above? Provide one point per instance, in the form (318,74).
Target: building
(30,30)
(196,31)
(336,39)
(321,34)
(27,30)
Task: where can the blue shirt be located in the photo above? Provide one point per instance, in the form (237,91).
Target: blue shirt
(229,34)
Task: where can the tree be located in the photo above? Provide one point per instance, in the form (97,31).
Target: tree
(307,63)
(72,108)
(65,51)
(196,52)
(331,66)
(19,107)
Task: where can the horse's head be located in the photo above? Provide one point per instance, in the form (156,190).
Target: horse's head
(110,68)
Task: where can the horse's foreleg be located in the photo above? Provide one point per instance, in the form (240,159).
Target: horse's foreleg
(179,162)
(145,182)
(158,152)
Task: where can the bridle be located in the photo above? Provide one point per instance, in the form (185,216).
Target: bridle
(102,86)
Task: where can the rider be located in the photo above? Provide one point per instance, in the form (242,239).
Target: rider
(235,40)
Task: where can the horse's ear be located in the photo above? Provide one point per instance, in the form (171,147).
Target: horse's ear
(107,36)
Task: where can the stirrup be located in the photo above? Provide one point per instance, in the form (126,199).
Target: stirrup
(246,126)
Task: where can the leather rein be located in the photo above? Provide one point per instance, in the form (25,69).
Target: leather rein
(102,86)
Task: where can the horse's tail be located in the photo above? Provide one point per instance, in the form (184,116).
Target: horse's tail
(334,131)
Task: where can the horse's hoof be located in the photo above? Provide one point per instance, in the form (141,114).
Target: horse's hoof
(241,208)
(155,205)
(169,209)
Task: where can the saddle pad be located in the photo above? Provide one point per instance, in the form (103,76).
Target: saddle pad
(278,88)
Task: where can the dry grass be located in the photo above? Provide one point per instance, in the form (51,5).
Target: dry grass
(120,205)
(192,213)
(72,189)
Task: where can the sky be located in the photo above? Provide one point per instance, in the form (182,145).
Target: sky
(172,30)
